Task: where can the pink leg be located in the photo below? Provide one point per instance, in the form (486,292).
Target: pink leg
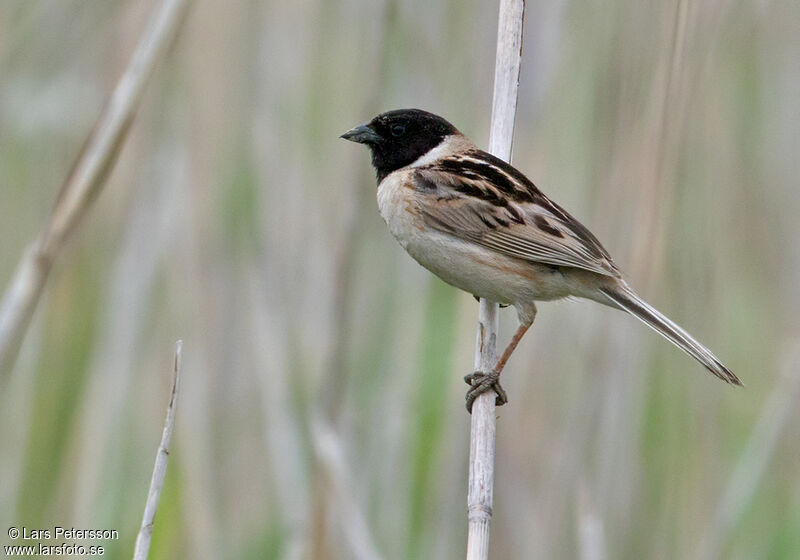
(483,381)
(512,345)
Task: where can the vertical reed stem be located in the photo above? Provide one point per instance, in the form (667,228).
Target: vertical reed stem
(160,468)
(484,424)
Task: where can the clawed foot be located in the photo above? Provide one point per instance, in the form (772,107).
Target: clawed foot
(482,382)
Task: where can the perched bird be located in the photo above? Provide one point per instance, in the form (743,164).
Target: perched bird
(482,226)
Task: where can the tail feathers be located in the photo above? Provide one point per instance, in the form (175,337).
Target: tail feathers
(624,298)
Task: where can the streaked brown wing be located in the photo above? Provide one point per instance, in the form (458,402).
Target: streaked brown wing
(480,198)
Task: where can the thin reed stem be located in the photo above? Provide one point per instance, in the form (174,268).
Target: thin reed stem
(84,182)
(160,468)
(484,423)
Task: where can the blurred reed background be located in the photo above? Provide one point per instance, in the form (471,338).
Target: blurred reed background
(322,412)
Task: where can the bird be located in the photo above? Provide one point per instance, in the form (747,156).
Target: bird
(481,225)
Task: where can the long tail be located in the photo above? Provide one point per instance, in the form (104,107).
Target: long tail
(624,298)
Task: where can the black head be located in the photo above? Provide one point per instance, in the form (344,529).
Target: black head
(397,138)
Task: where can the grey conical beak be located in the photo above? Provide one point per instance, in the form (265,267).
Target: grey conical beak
(362,134)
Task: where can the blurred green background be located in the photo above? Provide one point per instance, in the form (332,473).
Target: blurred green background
(321,413)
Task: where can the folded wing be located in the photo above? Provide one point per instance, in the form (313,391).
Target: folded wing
(480,198)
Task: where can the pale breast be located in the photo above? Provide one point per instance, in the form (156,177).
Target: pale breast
(463,264)
(398,209)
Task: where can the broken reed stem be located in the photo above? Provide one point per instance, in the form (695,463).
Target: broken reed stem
(84,182)
(160,468)
(484,423)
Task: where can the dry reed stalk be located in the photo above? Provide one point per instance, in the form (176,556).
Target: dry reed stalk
(84,182)
(484,423)
(160,467)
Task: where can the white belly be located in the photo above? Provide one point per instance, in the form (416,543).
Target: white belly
(460,263)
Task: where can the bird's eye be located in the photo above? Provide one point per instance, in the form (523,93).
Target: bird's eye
(398,130)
